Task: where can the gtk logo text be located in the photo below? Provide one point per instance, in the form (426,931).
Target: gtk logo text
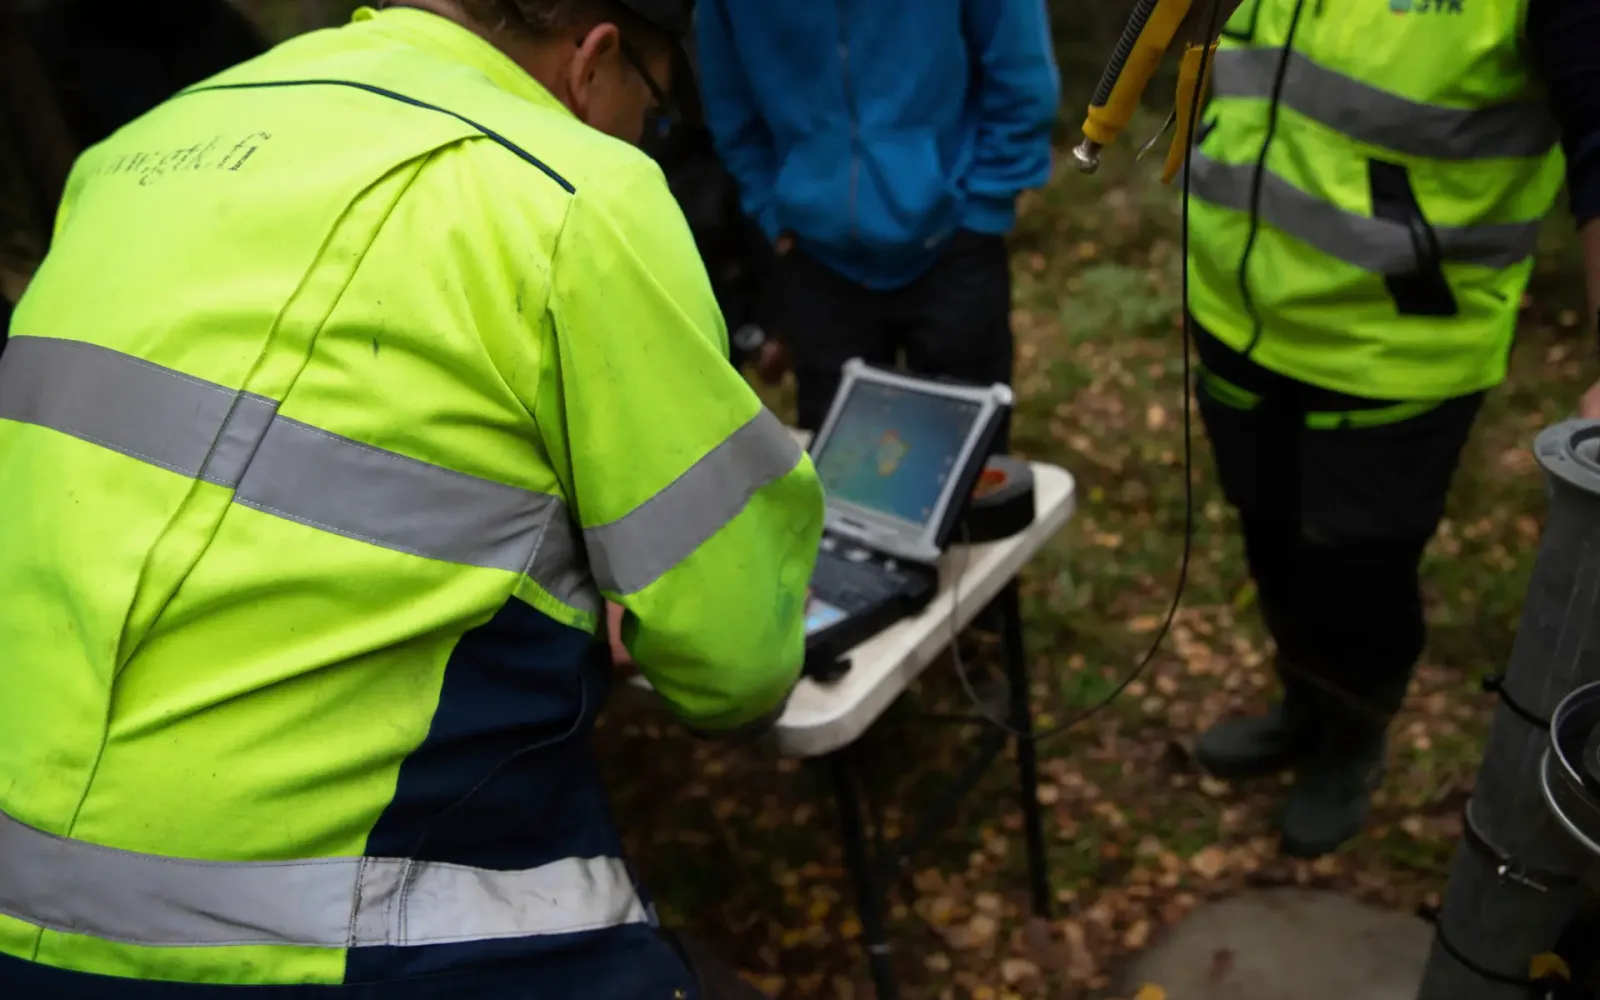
(1426,6)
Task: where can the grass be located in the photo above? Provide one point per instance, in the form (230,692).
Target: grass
(1137,838)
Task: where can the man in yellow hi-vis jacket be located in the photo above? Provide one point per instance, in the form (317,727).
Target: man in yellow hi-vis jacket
(357,380)
(1366,202)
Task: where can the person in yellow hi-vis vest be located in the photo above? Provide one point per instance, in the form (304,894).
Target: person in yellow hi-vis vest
(357,380)
(1366,200)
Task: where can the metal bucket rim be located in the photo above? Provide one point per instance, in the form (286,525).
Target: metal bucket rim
(1558,449)
(1558,792)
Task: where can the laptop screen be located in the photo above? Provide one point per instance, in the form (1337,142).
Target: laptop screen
(893,450)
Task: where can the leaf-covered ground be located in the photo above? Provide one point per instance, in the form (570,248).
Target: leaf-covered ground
(743,848)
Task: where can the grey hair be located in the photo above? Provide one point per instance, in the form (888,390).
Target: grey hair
(538,17)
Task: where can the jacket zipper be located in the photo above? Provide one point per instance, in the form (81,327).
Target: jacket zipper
(855,124)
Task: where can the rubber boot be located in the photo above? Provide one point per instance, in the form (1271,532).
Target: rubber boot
(1256,746)
(1332,793)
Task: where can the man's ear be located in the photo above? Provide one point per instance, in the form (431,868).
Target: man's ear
(601,44)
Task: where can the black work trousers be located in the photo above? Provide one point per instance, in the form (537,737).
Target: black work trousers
(952,322)
(1335,521)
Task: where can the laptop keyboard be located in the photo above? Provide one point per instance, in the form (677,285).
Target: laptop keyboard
(853,586)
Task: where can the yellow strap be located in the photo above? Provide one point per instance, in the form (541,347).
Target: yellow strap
(1188,81)
(1105,122)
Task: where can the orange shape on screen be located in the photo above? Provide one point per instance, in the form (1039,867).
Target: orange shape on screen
(890,451)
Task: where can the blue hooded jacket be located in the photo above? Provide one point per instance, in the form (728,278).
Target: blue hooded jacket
(873,130)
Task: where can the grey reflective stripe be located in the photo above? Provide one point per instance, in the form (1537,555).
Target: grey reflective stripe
(290,469)
(245,428)
(1375,245)
(142,410)
(1375,116)
(633,552)
(351,489)
(81,888)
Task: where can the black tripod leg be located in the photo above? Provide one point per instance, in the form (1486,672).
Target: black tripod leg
(870,903)
(1021,712)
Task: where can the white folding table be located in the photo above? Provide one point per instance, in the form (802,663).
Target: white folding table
(824,721)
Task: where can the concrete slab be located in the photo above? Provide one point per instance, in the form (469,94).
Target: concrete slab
(1287,944)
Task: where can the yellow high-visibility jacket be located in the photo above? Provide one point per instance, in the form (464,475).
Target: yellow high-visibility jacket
(1367,195)
(354,380)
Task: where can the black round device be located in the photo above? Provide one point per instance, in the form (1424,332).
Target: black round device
(1002,502)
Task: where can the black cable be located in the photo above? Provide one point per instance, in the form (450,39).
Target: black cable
(1258,180)
(1495,684)
(1212,24)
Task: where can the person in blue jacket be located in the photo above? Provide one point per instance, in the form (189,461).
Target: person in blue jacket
(881,146)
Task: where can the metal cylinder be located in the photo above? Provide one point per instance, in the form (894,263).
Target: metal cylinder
(1501,922)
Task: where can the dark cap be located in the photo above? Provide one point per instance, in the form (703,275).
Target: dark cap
(675,17)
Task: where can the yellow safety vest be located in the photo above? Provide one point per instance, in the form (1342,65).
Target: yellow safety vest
(354,379)
(1367,194)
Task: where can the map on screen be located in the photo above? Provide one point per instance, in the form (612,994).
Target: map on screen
(892,450)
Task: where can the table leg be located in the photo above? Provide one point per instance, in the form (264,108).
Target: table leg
(1021,712)
(870,902)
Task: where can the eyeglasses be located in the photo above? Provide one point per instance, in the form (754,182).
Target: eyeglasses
(662,118)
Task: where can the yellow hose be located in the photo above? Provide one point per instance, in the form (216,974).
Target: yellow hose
(1107,117)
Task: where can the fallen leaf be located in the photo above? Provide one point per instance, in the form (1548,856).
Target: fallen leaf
(1137,936)
(983,925)
(937,962)
(1144,624)
(1081,964)
(973,934)
(988,902)
(1209,862)
(1015,970)
(928,880)
(1221,965)
(941,910)
(1040,944)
